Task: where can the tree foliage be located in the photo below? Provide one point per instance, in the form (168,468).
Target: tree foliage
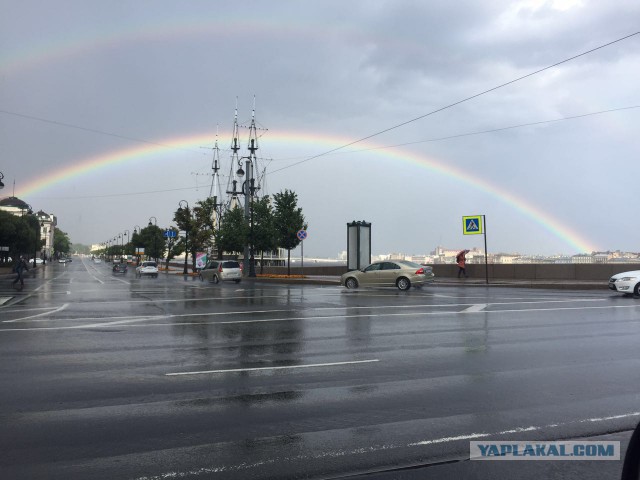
(234,231)
(288,219)
(265,237)
(61,243)
(20,234)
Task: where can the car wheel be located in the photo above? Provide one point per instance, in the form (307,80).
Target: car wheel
(237,281)
(403,283)
(215,279)
(636,290)
(351,283)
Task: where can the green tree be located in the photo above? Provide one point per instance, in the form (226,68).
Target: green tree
(173,247)
(184,219)
(264,231)
(202,238)
(151,238)
(234,231)
(288,219)
(11,229)
(61,243)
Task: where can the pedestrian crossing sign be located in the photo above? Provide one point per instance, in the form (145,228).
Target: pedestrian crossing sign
(472,225)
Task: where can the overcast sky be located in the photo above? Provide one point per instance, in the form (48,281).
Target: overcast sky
(109,111)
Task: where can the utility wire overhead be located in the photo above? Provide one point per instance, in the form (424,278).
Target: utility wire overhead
(469,134)
(93,130)
(481,132)
(484,92)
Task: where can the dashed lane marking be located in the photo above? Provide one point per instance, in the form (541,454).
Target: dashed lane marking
(282,367)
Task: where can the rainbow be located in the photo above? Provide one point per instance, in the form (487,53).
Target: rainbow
(207,23)
(140,153)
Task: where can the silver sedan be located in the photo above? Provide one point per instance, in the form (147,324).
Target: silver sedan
(399,273)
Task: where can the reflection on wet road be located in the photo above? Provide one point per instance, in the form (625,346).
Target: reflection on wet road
(118,377)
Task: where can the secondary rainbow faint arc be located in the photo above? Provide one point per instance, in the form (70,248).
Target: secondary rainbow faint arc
(138,153)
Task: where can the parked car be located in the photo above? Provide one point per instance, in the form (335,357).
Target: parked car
(221,270)
(626,282)
(147,268)
(400,273)
(120,268)
(39,261)
(64,260)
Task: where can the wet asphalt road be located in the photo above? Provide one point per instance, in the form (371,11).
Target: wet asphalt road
(106,377)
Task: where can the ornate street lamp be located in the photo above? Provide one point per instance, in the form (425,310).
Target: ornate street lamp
(125,234)
(186,234)
(136,230)
(1,177)
(155,222)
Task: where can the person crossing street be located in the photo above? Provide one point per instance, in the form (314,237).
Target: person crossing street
(20,267)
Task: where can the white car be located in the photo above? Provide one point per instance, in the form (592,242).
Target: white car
(626,282)
(97,260)
(147,268)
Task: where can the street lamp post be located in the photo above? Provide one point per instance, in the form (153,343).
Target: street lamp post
(1,177)
(155,222)
(44,254)
(125,234)
(186,234)
(249,190)
(136,230)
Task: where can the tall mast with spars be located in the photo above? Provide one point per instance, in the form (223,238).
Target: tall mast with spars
(215,190)
(232,182)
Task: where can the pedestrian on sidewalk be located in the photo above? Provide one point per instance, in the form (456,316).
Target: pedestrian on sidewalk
(19,268)
(461,260)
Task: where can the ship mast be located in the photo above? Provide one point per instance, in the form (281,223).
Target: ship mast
(232,183)
(215,189)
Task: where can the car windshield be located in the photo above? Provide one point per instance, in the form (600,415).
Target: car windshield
(149,264)
(230,265)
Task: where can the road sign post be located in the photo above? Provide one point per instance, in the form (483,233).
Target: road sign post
(302,234)
(477,225)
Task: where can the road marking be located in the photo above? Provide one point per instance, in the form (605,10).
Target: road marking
(130,320)
(368,449)
(4,300)
(475,308)
(284,367)
(524,429)
(59,309)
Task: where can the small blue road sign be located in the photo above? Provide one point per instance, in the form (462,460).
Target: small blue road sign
(302,234)
(472,225)
(170,233)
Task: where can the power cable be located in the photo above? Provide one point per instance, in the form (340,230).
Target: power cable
(93,130)
(480,132)
(457,103)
